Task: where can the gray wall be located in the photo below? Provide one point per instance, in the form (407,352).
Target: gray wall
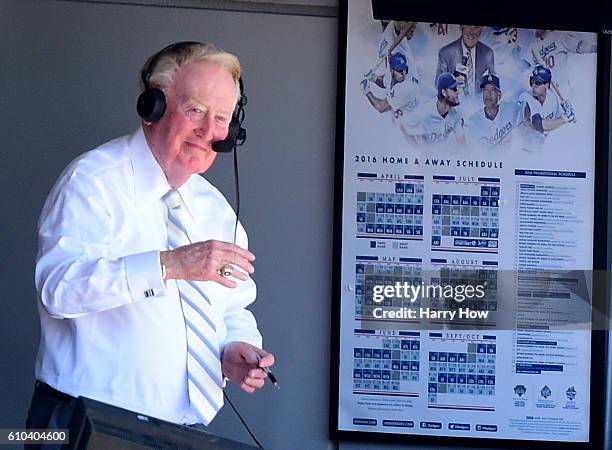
(69,73)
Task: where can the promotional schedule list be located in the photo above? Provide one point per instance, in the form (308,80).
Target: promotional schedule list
(550,214)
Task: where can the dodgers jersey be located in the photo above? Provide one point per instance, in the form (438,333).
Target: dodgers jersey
(550,109)
(531,139)
(509,45)
(497,132)
(427,126)
(553,50)
(403,97)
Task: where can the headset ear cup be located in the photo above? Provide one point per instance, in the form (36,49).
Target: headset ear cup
(151,105)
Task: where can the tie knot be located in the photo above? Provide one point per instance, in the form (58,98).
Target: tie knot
(172,199)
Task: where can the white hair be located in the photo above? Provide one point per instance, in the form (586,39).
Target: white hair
(171,59)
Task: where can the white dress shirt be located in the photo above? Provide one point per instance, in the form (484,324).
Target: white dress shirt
(110,328)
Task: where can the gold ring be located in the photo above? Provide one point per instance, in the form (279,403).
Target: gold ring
(226,270)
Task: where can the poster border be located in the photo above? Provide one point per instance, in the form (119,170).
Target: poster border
(589,19)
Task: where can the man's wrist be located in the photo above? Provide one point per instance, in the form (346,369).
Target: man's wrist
(162,265)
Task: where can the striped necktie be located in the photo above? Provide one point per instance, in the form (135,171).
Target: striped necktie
(204,375)
(470,73)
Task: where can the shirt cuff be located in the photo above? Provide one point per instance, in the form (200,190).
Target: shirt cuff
(144,275)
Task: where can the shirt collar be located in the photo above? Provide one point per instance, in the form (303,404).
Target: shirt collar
(150,182)
(187,196)
(465,49)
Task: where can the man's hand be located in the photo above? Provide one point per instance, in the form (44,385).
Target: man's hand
(202,261)
(569,117)
(568,111)
(242,362)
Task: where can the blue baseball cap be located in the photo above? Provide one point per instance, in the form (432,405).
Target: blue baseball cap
(398,62)
(541,74)
(491,79)
(499,30)
(446,80)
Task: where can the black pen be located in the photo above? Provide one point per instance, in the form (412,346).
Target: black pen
(270,374)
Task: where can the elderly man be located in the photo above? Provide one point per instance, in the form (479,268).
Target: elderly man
(468,59)
(142,295)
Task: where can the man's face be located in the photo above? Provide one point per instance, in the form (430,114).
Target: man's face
(541,33)
(538,88)
(452,96)
(200,102)
(490,96)
(398,75)
(470,35)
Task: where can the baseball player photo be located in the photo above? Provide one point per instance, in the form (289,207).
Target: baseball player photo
(493,125)
(394,91)
(396,37)
(509,46)
(552,49)
(435,121)
(486,95)
(542,108)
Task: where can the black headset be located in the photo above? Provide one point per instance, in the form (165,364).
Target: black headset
(151,104)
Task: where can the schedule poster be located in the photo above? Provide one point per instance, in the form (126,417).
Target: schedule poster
(468,167)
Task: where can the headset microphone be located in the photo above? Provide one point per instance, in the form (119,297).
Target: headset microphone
(234,133)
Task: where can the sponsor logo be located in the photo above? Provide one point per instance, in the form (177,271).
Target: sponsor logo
(520,390)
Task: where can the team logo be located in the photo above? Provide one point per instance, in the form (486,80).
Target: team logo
(498,137)
(571,393)
(545,50)
(545,392)
(434,137)
(520,390)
